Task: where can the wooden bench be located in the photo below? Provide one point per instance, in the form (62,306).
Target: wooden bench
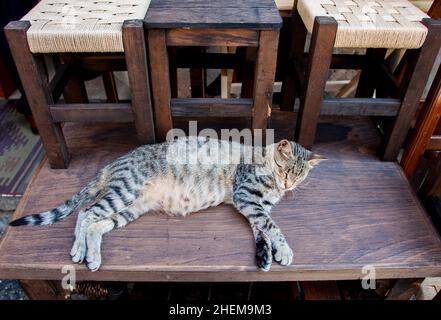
(354,211)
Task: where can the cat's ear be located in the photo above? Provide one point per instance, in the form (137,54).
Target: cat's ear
(283,152)
(315,159)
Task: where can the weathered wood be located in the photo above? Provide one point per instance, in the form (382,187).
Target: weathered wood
(427,121)
(228,17)
(160,82)
(264,74)
(94,112)
(213,107)
(217,244)
(414,82)
(213,37)
(320,290)
(37,92)
(320,55)
(360,107)
(136,58)
(43,290)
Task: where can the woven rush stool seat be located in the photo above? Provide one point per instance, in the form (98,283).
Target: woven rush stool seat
(369,24)
(81,25)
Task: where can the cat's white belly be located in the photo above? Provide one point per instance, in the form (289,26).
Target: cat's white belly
(175,198)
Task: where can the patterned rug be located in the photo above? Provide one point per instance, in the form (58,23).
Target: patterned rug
(20,151)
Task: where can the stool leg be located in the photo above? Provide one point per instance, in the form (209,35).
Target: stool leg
(264,74)
(297,50)
(320,56)
(32,76)
(136,59)
(75,90)
(370,73)
(110,87)
(160,82)
(248,69)
(414,82)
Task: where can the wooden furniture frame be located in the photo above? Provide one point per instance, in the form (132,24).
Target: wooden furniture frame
(43,94)
(173,24)
(308,75)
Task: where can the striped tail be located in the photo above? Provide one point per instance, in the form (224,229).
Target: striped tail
(87,194)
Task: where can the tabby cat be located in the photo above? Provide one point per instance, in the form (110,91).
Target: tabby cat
(160,178)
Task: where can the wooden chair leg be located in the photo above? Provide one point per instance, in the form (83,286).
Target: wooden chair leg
(110,87)
(137,67)
(160,82)
(264,75)
(426,124)
(414,81)
(297,50)
(248,70)
(197,77)
(370,73)
(31,73)
(320,56)
(75,90)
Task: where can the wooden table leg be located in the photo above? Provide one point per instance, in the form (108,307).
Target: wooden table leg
(264,74)
(137,67)
(320,56)
(412,89)
(31,73)
(160,82)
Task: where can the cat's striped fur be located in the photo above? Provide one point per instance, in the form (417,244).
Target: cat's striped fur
(162,178)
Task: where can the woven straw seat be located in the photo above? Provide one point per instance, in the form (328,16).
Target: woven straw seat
(369,24)
(81,25)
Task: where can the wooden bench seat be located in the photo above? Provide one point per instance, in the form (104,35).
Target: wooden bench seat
(354,211)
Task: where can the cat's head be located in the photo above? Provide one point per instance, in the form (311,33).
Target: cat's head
(292,163)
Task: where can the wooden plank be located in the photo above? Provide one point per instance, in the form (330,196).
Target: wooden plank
(43,290)
(384,223)
(213,37)
(138,72)
(160,76)
(243,4)
(94,112)
(200,17)
(212,107)
(360,106)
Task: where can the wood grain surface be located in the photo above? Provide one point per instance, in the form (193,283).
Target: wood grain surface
(258,14)
(354,210)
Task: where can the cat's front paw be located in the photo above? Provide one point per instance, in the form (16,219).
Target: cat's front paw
(283,253)
(264,257)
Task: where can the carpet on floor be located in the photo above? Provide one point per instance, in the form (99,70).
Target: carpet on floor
(20,151)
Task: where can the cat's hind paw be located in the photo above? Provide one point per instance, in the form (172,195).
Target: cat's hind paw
(78,252)
(264,257)
(283,254)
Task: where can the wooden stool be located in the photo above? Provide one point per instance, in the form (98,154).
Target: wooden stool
(247,23)
(96,35)
(375,26)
